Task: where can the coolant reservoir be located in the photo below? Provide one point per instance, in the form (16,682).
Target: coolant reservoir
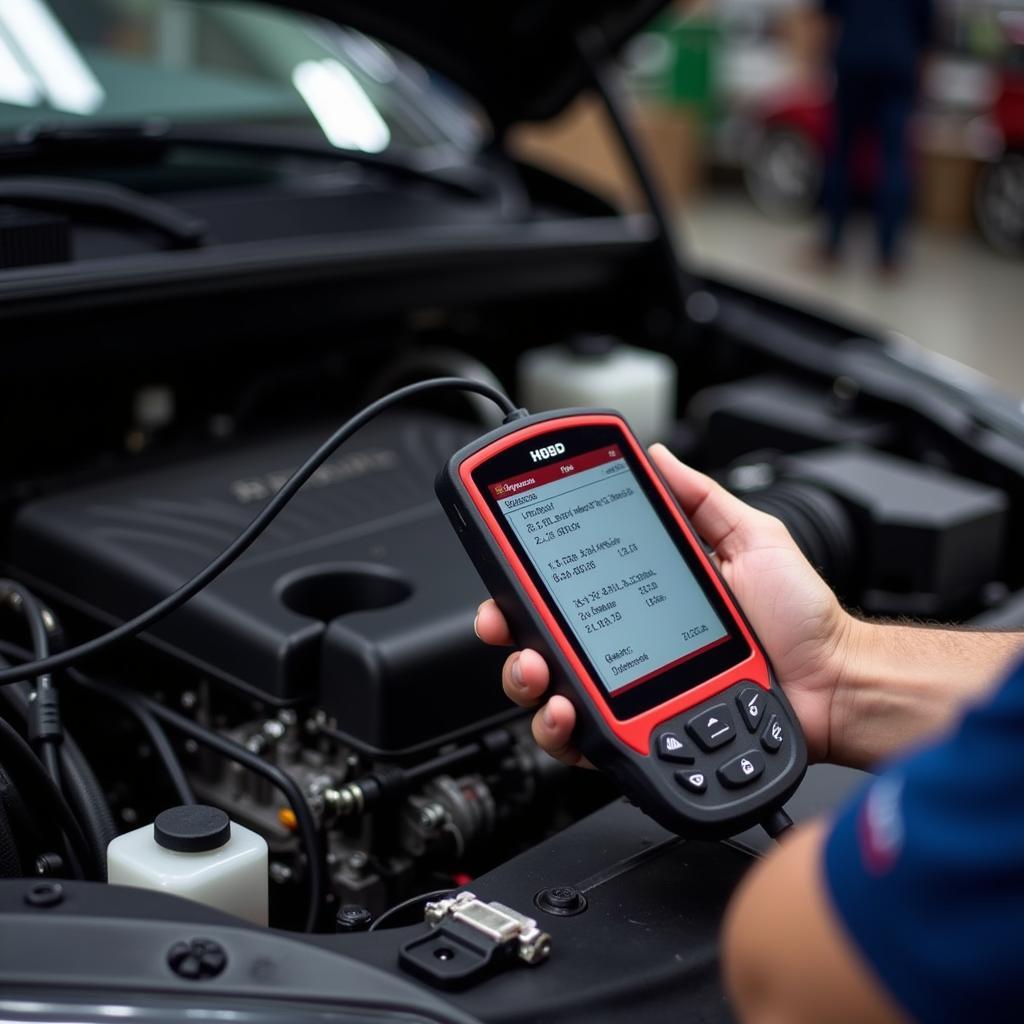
(600,371)
(199,853)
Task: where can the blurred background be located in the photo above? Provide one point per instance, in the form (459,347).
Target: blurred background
(734,101)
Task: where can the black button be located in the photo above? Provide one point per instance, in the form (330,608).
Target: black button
(695,782)
(751,703)
(742,770)
(773,735)
(712,728)
(672,748)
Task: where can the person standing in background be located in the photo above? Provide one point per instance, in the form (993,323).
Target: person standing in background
(878,47)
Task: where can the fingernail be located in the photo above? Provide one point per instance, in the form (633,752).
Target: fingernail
(476,619)
(516,671)
(547,717)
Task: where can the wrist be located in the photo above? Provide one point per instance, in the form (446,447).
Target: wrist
(850,637)
(897,685)
(854,672)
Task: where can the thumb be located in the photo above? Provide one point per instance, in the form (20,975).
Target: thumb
(718,516)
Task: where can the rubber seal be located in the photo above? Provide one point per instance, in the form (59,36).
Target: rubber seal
(193,828)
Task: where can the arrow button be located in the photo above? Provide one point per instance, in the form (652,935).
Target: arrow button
(713,727)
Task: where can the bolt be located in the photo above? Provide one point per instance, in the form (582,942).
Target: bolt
(353,918)
(357,860)
(280,873)
(189,700)
(49,864)
(561,900)
(273,729)
(537,950)
(432,816)
(344,801)
(197,959)
(45,894)
(255,744)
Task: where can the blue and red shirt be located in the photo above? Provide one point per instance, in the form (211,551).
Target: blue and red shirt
(925,868)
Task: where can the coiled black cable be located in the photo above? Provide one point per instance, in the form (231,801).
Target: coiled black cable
(263,519)
(45,728)
(81,787)
(33,781)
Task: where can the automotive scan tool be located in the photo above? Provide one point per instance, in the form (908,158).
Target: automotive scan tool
(594,565)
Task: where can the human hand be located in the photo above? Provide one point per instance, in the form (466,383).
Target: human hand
(803,628)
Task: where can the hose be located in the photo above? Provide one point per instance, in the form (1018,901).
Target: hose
(82,789)
(256,527)
(20,760)
(44,721)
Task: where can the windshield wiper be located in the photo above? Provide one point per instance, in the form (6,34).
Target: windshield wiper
(112,202)
(155,136)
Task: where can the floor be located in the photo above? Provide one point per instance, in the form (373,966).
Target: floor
(953,295)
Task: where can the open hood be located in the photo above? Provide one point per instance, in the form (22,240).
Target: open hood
(517,58)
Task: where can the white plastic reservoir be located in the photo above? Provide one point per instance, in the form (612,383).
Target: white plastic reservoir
(197,852)
(602,372)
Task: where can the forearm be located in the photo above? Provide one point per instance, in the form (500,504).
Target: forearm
(899,685)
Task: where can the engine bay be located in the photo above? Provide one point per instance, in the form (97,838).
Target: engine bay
(327,690)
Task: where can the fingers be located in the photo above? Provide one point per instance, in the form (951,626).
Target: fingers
(718,516)
(525,677)
(490,625)
(552,729)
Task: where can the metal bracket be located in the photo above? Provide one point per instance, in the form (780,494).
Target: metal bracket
(469,938)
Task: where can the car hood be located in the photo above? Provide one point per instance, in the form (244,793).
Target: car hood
(517,59)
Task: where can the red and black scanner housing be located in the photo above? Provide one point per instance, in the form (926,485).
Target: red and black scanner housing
(624,732)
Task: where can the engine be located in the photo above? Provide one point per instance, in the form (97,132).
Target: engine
(338,652)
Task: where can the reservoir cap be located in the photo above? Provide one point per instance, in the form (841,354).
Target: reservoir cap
(193,828)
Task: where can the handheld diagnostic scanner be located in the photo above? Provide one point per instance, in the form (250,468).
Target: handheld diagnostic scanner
(594,565)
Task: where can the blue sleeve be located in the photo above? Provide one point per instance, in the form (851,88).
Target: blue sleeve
(925,869)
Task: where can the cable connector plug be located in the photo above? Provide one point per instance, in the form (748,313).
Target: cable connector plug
(515,414)
(776,823)
(44,721)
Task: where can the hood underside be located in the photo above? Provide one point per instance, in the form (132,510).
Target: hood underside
(518,60)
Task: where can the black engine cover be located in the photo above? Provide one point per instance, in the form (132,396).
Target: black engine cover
(357,597)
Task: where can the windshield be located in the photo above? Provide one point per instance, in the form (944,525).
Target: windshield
(114,61)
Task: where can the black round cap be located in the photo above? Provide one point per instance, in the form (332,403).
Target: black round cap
(193,828)
(593,346)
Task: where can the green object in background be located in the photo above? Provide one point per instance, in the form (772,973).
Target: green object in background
(674,62)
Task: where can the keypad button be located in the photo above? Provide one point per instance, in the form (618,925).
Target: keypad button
(752,702)
(694,781)
(773,735)
(742,770)
(672,748)
(712,728)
